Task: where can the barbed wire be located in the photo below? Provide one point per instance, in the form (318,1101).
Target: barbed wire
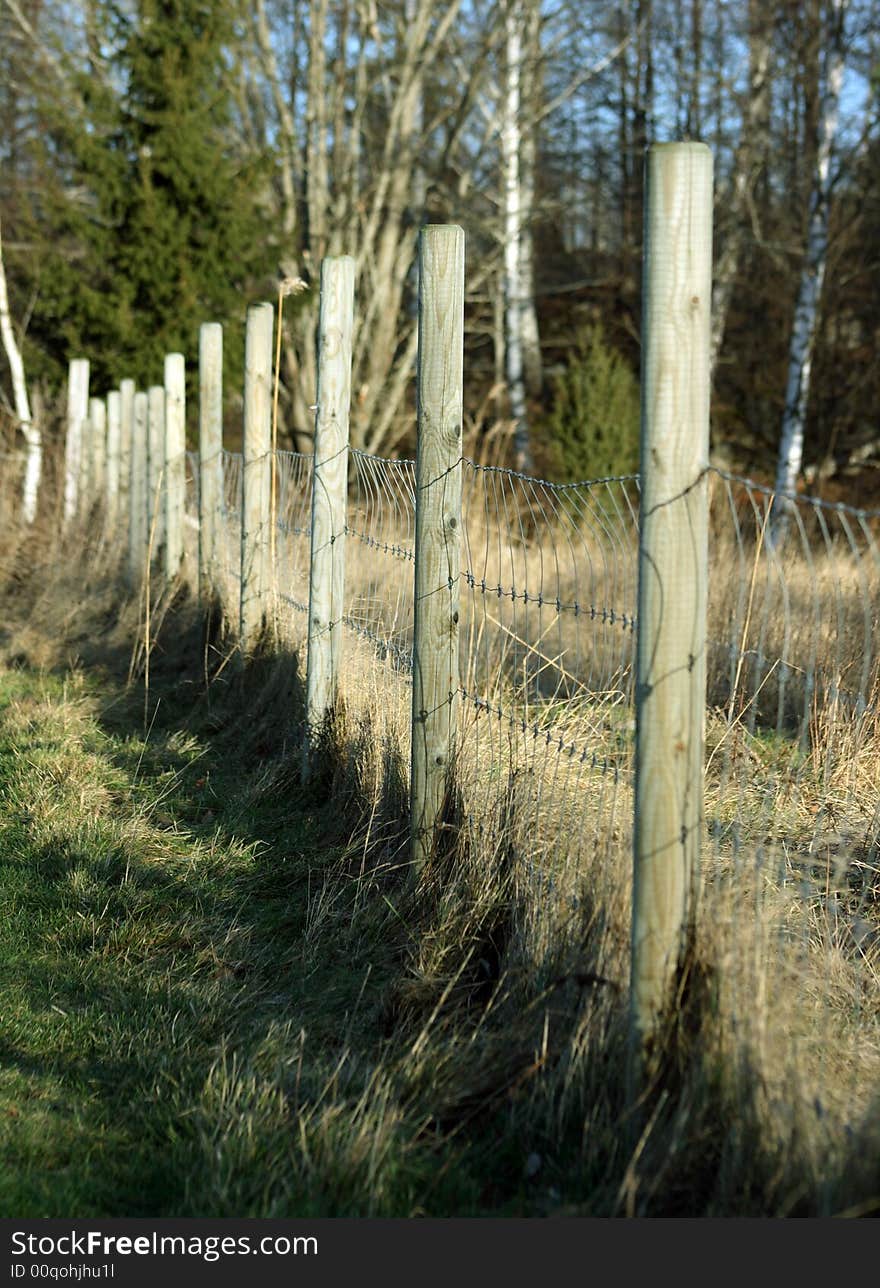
(546,744)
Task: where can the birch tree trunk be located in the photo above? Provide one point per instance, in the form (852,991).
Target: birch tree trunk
(531,89)
(806,313)
(31,432)
(511,142)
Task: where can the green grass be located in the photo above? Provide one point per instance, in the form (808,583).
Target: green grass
(221,995)
(172,1041)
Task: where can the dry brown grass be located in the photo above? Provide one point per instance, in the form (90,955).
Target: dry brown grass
(512,1003)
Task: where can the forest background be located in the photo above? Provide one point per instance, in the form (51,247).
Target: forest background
(166,162)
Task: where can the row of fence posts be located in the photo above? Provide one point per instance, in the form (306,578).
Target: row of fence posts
(128,452)
(136,455)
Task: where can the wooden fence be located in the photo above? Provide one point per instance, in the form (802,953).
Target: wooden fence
(130,449)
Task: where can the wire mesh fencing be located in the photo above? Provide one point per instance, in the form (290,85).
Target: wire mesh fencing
(546,724)
(546,720)
(792,788)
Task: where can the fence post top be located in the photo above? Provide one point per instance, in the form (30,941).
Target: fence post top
(680,148)
(175,368)
(441,230)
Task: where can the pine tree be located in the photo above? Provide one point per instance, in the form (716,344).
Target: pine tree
(155,223)
(593,424)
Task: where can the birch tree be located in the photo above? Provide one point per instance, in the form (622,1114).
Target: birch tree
(806,313)
(29,429)
(511,144)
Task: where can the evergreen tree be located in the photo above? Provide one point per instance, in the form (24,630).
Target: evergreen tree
(155,223)
(593,424)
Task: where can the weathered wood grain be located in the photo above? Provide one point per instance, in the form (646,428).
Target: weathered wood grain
(257,447)
(329,488)
(437,530)
(210,456)
(671,656)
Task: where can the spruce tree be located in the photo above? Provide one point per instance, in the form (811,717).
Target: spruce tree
(156,225)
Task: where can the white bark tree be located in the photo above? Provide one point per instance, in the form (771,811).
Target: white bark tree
(511,145)
(806,313)
(30,430)
(531,102)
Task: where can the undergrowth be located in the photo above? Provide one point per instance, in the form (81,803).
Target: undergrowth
(223,993)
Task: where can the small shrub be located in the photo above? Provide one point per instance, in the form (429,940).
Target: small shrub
(593,424)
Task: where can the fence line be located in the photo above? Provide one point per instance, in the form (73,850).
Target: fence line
(553,670)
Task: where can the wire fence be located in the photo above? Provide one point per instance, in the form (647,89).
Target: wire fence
(756,843)
(792,786)
(790,890)
(547,722)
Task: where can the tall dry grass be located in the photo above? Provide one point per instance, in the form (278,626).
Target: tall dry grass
(510,1011)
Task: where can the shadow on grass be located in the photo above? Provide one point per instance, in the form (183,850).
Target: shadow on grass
(217,1003)
(168,936)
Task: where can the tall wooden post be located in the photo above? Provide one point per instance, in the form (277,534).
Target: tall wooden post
(156,465)
(671,655)
(126,427)
(210,457)
(329,487)
(437,530)
(175,461)
(257,449)
(114,423)
(138,487)
(77,414)
(97,450)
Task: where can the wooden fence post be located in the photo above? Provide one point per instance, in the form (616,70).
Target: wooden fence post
(175,461)
(97,453)
(210,458)
(77,413)
(437,530)
(256,463)
(673,563)
(114,422)
(138,488)
(126,426)
(329,488)
(156,466)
